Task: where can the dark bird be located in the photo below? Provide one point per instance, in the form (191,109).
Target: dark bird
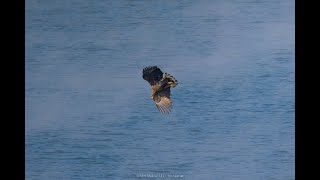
(160,84)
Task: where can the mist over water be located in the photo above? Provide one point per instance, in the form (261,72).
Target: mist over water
(89,114)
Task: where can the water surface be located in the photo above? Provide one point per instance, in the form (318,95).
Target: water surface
(89,114)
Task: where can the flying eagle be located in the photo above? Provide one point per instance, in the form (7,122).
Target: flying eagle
(160,84)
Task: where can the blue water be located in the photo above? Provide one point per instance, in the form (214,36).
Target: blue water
(89,114)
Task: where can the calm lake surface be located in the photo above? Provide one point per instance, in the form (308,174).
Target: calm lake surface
(89,114)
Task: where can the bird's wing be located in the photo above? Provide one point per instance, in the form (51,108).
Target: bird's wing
(163,101)
(152,74)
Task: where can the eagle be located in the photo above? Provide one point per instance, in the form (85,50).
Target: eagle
(160,85)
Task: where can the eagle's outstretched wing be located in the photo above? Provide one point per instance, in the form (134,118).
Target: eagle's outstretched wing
(163,101)
(152,74)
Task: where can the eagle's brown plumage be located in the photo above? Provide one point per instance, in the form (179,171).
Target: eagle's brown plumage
(160,85)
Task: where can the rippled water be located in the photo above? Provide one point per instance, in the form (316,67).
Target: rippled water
(89,114)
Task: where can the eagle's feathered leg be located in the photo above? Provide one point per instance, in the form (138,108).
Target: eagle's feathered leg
(171,81)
